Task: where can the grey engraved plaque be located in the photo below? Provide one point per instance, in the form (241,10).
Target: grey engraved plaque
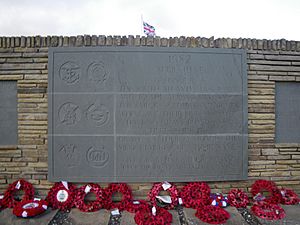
(8,113)
(287,112)
(121,114)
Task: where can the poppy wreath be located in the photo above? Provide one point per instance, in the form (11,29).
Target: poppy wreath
(212,215)
(90,206)
(30,208)
(264,185)
(126,196)
(238,198)
(268,211)
(157,188)
(289,197)
(146,217)
(195,194)
(60,197)
(139,205)
(217,199)
(9,201)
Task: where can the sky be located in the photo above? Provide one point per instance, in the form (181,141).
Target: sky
(260,19)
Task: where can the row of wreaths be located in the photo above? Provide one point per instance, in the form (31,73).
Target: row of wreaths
(266,197)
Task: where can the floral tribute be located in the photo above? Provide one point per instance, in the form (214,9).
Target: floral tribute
(261,186)
(195,194)
(139,205)
(9,200)
(126,196)
(154,216)
(237,198)
(30,208)
(217,199)
(289,197)
(164,186)
(212,215)
(61,196)
(91,206)
(268,211)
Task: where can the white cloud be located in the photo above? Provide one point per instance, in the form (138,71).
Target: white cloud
(270,19)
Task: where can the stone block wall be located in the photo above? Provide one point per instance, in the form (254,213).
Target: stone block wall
(25,60)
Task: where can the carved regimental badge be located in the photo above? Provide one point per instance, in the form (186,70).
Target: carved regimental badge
(98,114)
(69,72)
(69,114)
(97,73)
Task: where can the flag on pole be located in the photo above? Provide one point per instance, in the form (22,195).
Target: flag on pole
(148,29)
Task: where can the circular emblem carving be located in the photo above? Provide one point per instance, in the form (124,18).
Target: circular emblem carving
(70,155)
(97,157)
(69,72)
(99,114)
(69,113)
(97,73)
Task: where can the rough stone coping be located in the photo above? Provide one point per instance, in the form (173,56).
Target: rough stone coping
(130,40)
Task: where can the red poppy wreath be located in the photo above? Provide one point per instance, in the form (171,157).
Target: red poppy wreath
(260,186)
(289,197)
(30,208)
(91,206)
(126,196)
(61,196)
(137,205)
(212,214)
(164,186)
(237,198)
(268,211)
(154,216)
(9,201)
(195,194)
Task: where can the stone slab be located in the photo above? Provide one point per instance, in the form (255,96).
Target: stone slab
(235,217)
(287,117)
(8,113)
(147,114)
(175,215)
(101,217)
(127,218)
(7,217)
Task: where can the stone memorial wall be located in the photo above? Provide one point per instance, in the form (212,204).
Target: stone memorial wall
(273,66)
(124,114)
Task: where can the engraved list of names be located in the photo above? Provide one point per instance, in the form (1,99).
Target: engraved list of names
(120,114)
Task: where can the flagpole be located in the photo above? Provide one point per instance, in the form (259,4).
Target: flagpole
(142,21)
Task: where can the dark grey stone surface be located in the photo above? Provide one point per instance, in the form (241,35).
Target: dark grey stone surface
(101,217)
(287,112)
(8,113)
(127,218)
(147,114)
